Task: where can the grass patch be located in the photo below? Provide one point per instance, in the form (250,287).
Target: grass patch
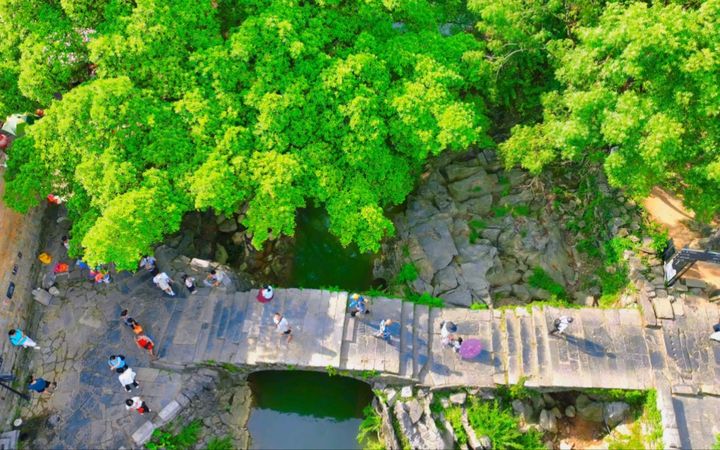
(521,211)
(476,227)
(185,439)
(404,442)
(408,273)
(454,416)
(478,306)
(515,392)
(716,445)
(369,430)
(223,443)
(424,299)
(501,426)
(541,280)
(500,211)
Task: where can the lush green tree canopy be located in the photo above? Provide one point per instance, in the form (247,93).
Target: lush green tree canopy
(640,93)
(271,105)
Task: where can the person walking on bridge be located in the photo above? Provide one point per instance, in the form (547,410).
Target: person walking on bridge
(560,325)
(282,326)
(18,338)
(163,281)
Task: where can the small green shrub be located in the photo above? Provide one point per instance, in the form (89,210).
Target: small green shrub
(716,445)
(331,370)
(541,280)
(500,211)
(367,374)
(224,443)
(185,439)
(454,417)
(501,426)
(521,211)
(232,368)
(476,227)
(478,306)
(369,429)
(515,392)
(424,299)
(408,273)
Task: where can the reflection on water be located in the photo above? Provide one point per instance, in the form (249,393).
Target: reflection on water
(306,410)
(320,259)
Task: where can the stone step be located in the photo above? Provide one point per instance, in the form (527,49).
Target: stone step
(180,337)
(241,300)
(235,304)
(529,356)
(138,279)
(542,349)
(421,336)
(209,316)
(429,331)
(499,347)
(514,347)
(406,339)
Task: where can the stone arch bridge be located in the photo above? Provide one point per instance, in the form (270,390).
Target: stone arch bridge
(604,348)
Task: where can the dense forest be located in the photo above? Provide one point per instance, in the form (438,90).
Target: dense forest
(154,108)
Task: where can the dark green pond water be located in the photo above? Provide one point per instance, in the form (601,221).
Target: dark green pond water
(321,261)
(306,410)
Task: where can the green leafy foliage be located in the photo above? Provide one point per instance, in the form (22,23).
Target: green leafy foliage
(638,93)
(223,443)
(541,280)
(501,426)
(370,428)
(425,298)
(716,444)
(261,106)
(476,227)
(408,273)
(454,416)
(183,440)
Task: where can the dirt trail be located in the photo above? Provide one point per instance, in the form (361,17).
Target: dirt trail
(668,210)
(10,227)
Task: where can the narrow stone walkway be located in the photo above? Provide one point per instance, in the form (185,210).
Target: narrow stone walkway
(603,349)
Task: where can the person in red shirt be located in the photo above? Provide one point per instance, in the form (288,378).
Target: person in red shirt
(145,342)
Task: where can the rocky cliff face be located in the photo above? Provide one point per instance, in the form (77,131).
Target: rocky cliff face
(475,232)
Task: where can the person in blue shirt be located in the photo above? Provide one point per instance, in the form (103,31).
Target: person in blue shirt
(41,386)
(18,338)
(358,305)
(117,363)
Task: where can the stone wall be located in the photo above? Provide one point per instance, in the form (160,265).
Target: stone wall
(20,234)
(475,232)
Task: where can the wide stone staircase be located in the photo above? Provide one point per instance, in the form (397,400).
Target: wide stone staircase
(602,348)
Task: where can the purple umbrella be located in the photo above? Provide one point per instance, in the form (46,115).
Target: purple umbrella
(470,348)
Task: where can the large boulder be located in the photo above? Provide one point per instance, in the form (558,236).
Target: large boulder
(460,296)
(445,280)
(436,242)
(548,421)
(479,184)
(589,409)
(615,412)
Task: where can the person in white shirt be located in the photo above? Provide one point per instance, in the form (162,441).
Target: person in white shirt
(127,379)
(282,326)
(189,284)
(561,324)
(162,280)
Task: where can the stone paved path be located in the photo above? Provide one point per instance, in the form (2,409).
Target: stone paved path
(604,349)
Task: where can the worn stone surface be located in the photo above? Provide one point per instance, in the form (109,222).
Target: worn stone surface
(614,413)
